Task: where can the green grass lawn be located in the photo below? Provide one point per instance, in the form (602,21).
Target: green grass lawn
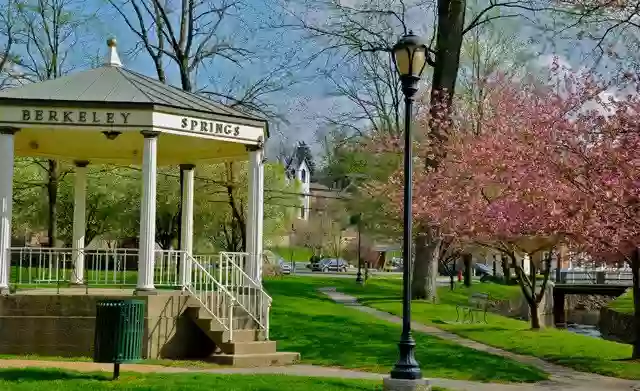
(192,364)
(623,304)
(55,380)
(560,346)
(330,334)
(297,254)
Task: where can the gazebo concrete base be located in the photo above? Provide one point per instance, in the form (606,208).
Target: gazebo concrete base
(42,322)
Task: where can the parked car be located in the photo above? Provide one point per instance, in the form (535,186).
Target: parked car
(330,264)
(314,260)
(285,267)
(482,270)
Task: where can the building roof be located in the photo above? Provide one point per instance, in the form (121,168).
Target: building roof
(111,83)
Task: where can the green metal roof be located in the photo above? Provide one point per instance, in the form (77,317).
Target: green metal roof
(117,85)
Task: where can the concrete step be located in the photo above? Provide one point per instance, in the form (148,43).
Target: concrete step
(207,322)
(242,335)
(252,347)
(256,360)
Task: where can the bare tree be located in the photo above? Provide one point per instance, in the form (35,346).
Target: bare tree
(45,49)
(9,29)
(487,52)
(189,32)
(373,92)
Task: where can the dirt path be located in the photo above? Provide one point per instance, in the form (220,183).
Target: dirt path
(561,378)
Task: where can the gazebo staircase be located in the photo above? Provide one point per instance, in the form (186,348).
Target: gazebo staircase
(233,311)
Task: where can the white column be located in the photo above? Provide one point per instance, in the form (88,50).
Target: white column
(146,255)
(6,203)
(255,213)
(79,221)
(186,234)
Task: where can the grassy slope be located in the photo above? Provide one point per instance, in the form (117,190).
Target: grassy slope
(561,346)
(54,380)
(623,304)
(329,334)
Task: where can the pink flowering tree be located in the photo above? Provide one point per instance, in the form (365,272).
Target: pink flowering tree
(554,162)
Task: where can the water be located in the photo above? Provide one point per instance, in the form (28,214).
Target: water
(578,321)
(583,329)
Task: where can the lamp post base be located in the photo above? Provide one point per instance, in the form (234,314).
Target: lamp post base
(389,384)
(407,367)
(359,279)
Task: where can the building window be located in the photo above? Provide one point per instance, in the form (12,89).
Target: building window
(303,175)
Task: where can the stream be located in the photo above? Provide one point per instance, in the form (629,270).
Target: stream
(580,322)
(583,329)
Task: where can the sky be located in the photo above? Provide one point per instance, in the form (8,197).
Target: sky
(255,25)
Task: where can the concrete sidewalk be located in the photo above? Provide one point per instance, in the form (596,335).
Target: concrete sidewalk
(296,370)
(561,378)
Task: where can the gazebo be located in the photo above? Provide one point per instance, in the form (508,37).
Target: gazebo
(111,115)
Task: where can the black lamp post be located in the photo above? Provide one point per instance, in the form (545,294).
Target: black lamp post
(359,276)
(356,220)
(410,57)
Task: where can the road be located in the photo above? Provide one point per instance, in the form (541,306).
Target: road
(302,270)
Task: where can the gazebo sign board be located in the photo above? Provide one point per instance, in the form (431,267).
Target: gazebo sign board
(52,117)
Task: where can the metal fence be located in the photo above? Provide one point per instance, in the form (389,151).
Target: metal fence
(586,276)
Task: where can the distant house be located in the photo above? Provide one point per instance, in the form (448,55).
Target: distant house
(299,170)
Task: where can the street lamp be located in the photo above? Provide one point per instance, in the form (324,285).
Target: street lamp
(410,57)
(357,220)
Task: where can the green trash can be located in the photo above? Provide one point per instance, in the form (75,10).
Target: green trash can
(119,331)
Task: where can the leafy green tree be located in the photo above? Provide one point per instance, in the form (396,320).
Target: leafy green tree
(112,205)
(221,204)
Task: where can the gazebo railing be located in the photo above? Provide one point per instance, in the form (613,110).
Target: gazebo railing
(101,267)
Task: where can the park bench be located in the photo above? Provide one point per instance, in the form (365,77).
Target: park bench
(478,303)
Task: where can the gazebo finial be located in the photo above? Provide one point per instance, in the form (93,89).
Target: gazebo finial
(112,58)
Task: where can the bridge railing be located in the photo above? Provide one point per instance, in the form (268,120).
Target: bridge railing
(613,277)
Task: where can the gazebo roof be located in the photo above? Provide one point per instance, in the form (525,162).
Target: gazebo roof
(98,114)
(110,84)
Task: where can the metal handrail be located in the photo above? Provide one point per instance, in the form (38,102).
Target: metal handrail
(199,289)
(254,306)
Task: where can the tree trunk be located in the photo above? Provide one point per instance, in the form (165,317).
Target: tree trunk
(452,283)
(52,196)
(185,81)
(466,259)
(451,14)
(425,268)
(450,24)
(533,305)
(505,270)
(635,271)
(535,318)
